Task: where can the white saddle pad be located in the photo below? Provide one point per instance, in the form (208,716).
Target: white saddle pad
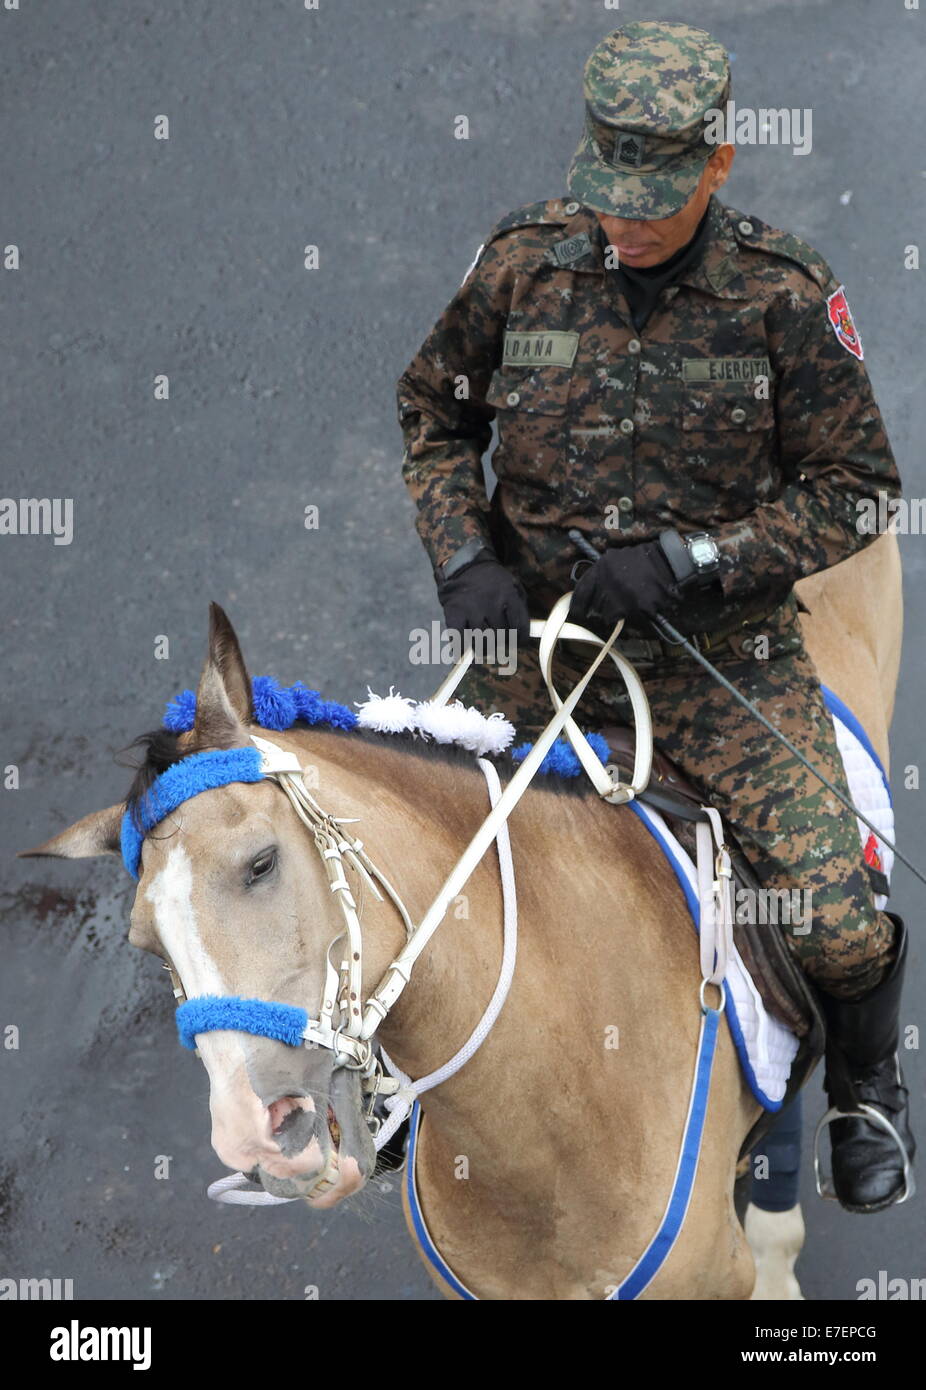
(766,1047)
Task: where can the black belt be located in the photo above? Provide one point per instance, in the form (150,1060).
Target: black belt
(658,649)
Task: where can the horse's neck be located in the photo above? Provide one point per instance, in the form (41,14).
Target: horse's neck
(587,1068)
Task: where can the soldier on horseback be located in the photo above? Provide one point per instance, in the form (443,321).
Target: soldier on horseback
(685,386)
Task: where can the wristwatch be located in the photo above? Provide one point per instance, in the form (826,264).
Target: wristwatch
(694,559)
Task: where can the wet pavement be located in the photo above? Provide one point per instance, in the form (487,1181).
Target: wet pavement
(185,257)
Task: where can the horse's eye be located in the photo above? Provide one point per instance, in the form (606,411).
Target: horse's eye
(262,865)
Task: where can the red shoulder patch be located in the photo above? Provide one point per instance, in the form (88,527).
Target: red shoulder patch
(840,316)
(872,853)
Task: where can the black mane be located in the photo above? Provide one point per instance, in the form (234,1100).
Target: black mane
(160,751)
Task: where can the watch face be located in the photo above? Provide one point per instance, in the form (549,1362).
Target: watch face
(702,550)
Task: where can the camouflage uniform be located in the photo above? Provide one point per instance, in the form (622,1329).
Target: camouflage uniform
(742,408)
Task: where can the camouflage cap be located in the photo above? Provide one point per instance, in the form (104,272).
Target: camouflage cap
(648,87)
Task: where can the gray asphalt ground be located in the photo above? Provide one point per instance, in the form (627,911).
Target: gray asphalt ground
(184,257)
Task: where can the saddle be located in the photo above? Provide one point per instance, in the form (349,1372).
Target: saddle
(785,989)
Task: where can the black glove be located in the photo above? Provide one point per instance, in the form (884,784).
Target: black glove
(483,594)
(628,581)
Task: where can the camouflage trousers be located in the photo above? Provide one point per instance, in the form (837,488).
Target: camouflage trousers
(795,832)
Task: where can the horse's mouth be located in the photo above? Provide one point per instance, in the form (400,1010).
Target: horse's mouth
(334,1129)
(314,1186)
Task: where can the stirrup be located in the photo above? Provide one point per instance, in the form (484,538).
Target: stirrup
(825,1188)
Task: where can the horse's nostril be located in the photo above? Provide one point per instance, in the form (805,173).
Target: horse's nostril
(279,1110)
(293,1125)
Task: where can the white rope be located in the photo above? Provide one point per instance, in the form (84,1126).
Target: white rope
(400,1103)
(237,1190)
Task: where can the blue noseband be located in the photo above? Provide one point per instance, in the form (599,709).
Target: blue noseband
(209,1013)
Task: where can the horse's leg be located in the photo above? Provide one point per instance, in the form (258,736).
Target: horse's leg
(776,1238)
(774,1223)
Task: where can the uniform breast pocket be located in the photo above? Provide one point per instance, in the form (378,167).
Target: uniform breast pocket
(531,406)
(728,439)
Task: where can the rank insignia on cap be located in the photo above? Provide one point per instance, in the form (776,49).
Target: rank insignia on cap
(840,316)
(572,249)
(628,151)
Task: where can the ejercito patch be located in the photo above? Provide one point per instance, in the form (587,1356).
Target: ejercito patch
(724,368)
(552,349)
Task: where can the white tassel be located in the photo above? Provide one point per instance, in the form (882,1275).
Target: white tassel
(499,733)
(456,723)
(387,714)
(464,725)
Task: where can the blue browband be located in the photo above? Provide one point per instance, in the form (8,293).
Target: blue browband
(200,772)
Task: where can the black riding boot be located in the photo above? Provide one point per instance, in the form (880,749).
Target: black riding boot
(872,1160)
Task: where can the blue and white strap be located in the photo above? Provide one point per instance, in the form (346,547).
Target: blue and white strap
(660,1247)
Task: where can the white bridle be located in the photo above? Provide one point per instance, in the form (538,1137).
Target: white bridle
(344,1024)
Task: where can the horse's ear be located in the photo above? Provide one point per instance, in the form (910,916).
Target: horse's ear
(97,833)
(223,697)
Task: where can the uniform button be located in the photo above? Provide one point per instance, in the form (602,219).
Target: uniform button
(626,427)
(746,228)
(570,209)
(625,504)
(738,415)
(633,345)
(512,398)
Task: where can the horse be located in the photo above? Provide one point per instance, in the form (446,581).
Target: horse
(544,1164)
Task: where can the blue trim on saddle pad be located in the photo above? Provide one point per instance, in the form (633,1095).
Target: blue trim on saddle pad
(845,716)
(694,907)
(210,1013)
(199,772)
(660,1247)
(414,1207)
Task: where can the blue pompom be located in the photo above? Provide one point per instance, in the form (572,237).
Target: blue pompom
(338,716)
(274,706)
(599,744)
(561,761)
(180,714)
(309,704)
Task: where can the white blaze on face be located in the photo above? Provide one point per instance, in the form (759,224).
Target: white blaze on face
(171,897)
(242,1132)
